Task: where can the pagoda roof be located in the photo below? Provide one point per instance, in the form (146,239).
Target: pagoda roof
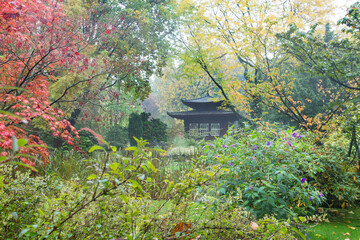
(198,103)
(205,99)
(185,114)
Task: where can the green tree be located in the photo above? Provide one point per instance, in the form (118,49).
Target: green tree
(154,129)
(136,128)
(126,43)
(338,62)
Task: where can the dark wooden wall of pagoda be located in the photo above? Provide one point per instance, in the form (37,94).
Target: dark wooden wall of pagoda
(224,123)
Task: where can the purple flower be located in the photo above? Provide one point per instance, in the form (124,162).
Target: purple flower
(231,163)
(252,158)
(294,135)
(232,145)
(289,143)
(250,187)
(211,145)
(298,136)
(268,143)
(217,156)
(310,199)
(225,146)
(255,147)
(321,195)
(303,180)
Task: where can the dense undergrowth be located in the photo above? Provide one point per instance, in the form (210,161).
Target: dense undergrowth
(251,184)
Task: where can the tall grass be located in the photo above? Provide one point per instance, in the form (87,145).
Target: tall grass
(68,165)
(172,166)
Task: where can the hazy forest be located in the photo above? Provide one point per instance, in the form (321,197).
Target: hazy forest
(88,150)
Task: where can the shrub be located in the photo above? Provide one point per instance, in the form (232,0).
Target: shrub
(113,204)
(271,171)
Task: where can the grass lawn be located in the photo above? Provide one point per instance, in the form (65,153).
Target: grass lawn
(344,224)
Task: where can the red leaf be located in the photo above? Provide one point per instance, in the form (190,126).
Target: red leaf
(108,31)
(77,54)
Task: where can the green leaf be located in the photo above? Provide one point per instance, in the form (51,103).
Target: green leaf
(283,230)
(131,149)
(271,201)
(106,143)
(113,148)
(2,158)
(92,176)
(130,167)
(124,198)
(41,212)
(145,168)
(22,142)
(271,227)
(135,184)
(26,155)
(93,148)
(2,182)
(37,145)
(151,166)
(299,233)
(114,166)
(23,232)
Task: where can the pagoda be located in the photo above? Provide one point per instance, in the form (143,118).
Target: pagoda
(208,119)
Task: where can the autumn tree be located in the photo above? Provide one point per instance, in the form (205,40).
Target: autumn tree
(336,61)
(243,35)
(37,40)
(127,44)
(177,84)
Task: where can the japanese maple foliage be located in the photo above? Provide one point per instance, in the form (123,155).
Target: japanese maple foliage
(37,42)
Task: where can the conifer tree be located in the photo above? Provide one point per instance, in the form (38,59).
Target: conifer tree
(136,128)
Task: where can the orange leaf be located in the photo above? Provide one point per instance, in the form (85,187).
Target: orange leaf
(254,225)
(181,227)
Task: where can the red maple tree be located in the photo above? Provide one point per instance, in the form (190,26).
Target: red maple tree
(37,42)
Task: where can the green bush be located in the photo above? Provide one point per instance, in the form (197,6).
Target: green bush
(112,203)
(272,172)
(117,136)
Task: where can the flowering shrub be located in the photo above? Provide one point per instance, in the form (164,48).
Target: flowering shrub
(270,171)
(114,198)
